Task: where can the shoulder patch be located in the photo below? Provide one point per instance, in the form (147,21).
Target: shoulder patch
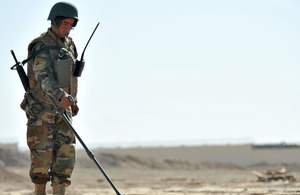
(39,64)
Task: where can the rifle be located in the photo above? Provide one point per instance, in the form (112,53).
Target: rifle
(19,67)
(25,81)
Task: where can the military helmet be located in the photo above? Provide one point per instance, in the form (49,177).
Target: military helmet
(64,9)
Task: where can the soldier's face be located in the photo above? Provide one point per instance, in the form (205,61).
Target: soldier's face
(66,25)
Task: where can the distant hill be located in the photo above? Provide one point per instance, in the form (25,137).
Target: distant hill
(137,162)
(242,155)
(11,156)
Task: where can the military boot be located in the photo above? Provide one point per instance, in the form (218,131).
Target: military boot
(58,189)
(40,189)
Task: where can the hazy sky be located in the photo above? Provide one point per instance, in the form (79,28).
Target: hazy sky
(169,70)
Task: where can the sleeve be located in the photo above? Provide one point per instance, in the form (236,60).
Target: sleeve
(44,73)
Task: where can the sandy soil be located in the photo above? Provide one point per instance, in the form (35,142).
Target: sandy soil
(139,175)
(86,181)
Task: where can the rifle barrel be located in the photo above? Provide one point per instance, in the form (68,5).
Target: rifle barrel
(13,54)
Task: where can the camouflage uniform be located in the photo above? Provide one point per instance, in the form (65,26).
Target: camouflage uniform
(51,142)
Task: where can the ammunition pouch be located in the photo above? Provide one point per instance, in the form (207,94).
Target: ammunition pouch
(25,104)
(30,105)
(63,69)
(79,66)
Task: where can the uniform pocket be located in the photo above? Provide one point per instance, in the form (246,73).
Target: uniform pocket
(39,137)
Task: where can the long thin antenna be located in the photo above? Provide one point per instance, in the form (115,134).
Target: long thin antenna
(89,41)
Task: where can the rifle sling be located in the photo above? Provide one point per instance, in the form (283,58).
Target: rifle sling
(14,67)
(38,52)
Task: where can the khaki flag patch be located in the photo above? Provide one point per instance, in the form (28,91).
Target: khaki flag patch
(40,64)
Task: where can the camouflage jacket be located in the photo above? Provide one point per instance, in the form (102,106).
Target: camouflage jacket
(42,78)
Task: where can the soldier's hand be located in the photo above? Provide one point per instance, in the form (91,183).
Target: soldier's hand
(75,109)
(65,101)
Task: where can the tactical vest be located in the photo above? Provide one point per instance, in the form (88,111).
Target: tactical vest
(50,40)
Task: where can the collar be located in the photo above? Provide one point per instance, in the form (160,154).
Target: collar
(59,40)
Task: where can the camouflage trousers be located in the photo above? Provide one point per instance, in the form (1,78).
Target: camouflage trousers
(52,152)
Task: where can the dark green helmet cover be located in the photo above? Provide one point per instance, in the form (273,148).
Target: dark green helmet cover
(64,9)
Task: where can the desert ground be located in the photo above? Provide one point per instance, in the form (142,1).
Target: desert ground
(161,171)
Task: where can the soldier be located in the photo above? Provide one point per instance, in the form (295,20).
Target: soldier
(50,73)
